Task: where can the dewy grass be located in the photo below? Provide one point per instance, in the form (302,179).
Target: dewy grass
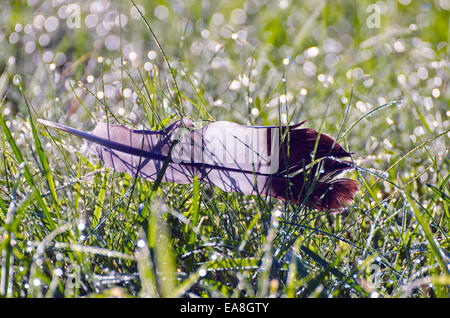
(70,228)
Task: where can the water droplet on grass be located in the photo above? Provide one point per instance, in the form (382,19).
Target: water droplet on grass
(140,243)
(81,226)
(58,272)
(436,93)
(374,295)
(151,55)
(255,112)
(277,213)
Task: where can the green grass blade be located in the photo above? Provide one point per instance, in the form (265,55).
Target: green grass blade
(370,112)
(440,193)
(42,157)
(162,246)
(194,210)
(19,158)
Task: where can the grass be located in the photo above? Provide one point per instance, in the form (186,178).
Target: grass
(72,228)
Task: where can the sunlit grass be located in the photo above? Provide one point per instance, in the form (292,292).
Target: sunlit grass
(71,228)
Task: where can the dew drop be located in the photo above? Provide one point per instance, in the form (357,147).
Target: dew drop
(283,4)
(12,60)
(148,66)
(17,79)
(58,272)
(133,56)
(151,55)
(100,95)
(277,213)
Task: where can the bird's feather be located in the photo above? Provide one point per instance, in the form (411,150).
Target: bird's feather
(288,162)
